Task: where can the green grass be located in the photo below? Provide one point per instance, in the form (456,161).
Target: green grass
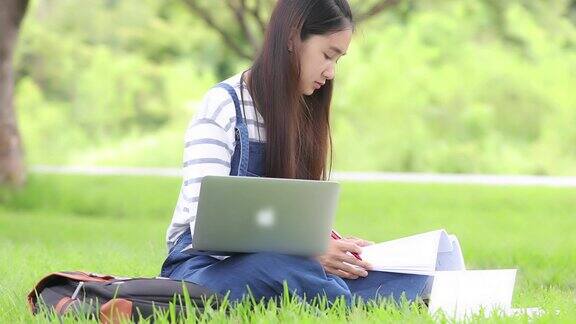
(116,225)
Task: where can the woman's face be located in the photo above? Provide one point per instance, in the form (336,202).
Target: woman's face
(318,57)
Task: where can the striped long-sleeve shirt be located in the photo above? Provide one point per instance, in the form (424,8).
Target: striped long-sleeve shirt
(209,143)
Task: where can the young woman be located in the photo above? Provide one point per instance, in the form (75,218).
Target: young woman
(273,121)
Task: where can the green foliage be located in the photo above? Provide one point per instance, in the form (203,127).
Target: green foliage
(85,82)
(443,93)
(440,86)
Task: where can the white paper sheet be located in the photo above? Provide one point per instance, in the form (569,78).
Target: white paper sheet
(462,293)
(453,259)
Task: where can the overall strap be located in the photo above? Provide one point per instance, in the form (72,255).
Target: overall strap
(241,130)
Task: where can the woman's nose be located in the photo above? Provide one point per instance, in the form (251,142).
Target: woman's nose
(329,72)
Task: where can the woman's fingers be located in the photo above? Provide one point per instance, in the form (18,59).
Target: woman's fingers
(345,246)
(345,256)
(340,261)
(350,259)
(353,270)
(347,267)
(359,241)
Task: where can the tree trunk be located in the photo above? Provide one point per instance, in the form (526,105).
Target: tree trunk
(12,170)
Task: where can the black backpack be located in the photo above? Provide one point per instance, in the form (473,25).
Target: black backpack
(111,299)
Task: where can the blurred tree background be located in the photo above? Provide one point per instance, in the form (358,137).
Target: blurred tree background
(483,86)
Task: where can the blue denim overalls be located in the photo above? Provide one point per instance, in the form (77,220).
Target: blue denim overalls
(265,273)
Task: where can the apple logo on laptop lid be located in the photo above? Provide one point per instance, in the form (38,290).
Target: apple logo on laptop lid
(266,217)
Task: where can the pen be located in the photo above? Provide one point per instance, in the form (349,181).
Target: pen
(337,236)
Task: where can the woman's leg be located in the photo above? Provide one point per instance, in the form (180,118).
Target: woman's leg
(379,285)
(264,274)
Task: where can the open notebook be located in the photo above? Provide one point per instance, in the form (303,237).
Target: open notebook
(424,253)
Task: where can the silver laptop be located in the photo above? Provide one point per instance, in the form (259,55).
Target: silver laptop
(250,214)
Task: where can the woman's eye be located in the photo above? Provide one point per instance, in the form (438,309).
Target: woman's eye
(327,57)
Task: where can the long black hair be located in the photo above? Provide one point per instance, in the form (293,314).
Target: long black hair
(297,126)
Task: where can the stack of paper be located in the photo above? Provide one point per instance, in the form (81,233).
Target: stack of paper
(456,292)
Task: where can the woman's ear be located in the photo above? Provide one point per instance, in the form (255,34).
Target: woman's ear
(293,40)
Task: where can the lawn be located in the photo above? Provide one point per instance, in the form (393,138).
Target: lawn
(116,225)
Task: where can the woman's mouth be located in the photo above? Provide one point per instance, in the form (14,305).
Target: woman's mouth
(317,85)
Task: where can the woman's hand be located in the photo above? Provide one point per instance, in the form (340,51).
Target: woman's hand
(359,241)
(339,261)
